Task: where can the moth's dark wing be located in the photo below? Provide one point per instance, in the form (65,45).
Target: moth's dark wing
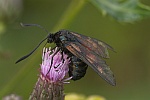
(92,60)
(99,47)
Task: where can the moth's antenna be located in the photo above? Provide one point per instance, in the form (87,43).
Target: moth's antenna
(24,57)
(37,25)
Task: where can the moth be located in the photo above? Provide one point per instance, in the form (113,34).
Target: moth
(84,51)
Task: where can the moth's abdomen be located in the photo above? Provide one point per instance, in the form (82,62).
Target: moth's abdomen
(77,68)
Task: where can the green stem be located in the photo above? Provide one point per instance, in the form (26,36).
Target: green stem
(67,17)
(70,13)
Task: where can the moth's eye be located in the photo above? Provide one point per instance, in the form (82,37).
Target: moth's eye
(49,40)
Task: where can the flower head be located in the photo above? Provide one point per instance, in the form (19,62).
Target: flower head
(55,64)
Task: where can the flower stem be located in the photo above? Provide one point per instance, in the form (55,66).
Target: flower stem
(46,90)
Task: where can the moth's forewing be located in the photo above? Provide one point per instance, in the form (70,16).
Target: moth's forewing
(91,59)
(99,47)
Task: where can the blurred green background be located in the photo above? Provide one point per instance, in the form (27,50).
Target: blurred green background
(131,41)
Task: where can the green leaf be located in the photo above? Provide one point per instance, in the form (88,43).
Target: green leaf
(123,10)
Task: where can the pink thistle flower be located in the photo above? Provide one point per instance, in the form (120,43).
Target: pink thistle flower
(55,65)
(54,68)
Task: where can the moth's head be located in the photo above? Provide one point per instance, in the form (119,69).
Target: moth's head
(50,38)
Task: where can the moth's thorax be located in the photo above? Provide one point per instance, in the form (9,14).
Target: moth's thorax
(66,36)
(60,37)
